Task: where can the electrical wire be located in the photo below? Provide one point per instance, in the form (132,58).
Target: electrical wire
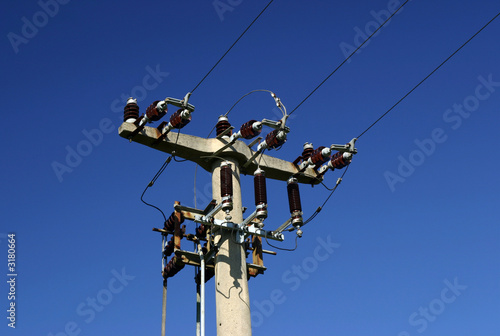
(175,145)
(318,210)
(348,57)
(426,77)
(258,90)
(152,182)
(158,174)
(281,248)
(220,59)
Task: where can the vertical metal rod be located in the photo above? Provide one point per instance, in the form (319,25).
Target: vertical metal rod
(164,303)
(202,291)
(164,310)
(198,310)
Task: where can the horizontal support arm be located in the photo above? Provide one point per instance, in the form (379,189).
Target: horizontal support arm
(200,150)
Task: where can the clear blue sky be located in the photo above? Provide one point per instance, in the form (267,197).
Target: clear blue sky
(415,221)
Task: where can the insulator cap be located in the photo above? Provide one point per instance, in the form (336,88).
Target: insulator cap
(340,160)
(131,111)
(222,125)
(275,139)
(294,195)
(250,129)
(177,121)
(153,113)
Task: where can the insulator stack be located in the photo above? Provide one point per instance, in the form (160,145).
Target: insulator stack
(294,201)
(177,120)
(201,231)
(169,248)
(173,267)
(294,195)
(260,194)
(250,129)
(340,160)
(222,125)
(131,111)
(170,222)
(319,156)
(154,113)
(275,139)
(226,180)
(226,186)
(308,150)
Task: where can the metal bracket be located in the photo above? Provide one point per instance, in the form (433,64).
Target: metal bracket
(276,124)
(252,158)
(226,131)
(241,232)
(283,227)
(180,103)
(349,147)
(256,140)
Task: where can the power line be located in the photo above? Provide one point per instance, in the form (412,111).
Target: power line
(153,180)
(390,109)
(220,59)
(426,77)
(348,57)
(318,210)
(249,93)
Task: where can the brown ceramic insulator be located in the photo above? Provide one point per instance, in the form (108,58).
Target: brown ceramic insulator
(294,196)
(247,131)
(169,248)
(130,111)
(201,231)
(306,154)
(173,267)
(338,161)
(272,140)
(177,121)
(226,181)
(152,112)
(260,189)
(170,222)
(317,156)
(221,126)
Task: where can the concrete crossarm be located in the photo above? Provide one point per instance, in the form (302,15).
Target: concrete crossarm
(199,150)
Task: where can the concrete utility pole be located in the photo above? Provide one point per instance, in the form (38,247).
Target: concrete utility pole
(231,285)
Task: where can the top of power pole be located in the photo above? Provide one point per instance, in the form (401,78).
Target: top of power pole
(221,224)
